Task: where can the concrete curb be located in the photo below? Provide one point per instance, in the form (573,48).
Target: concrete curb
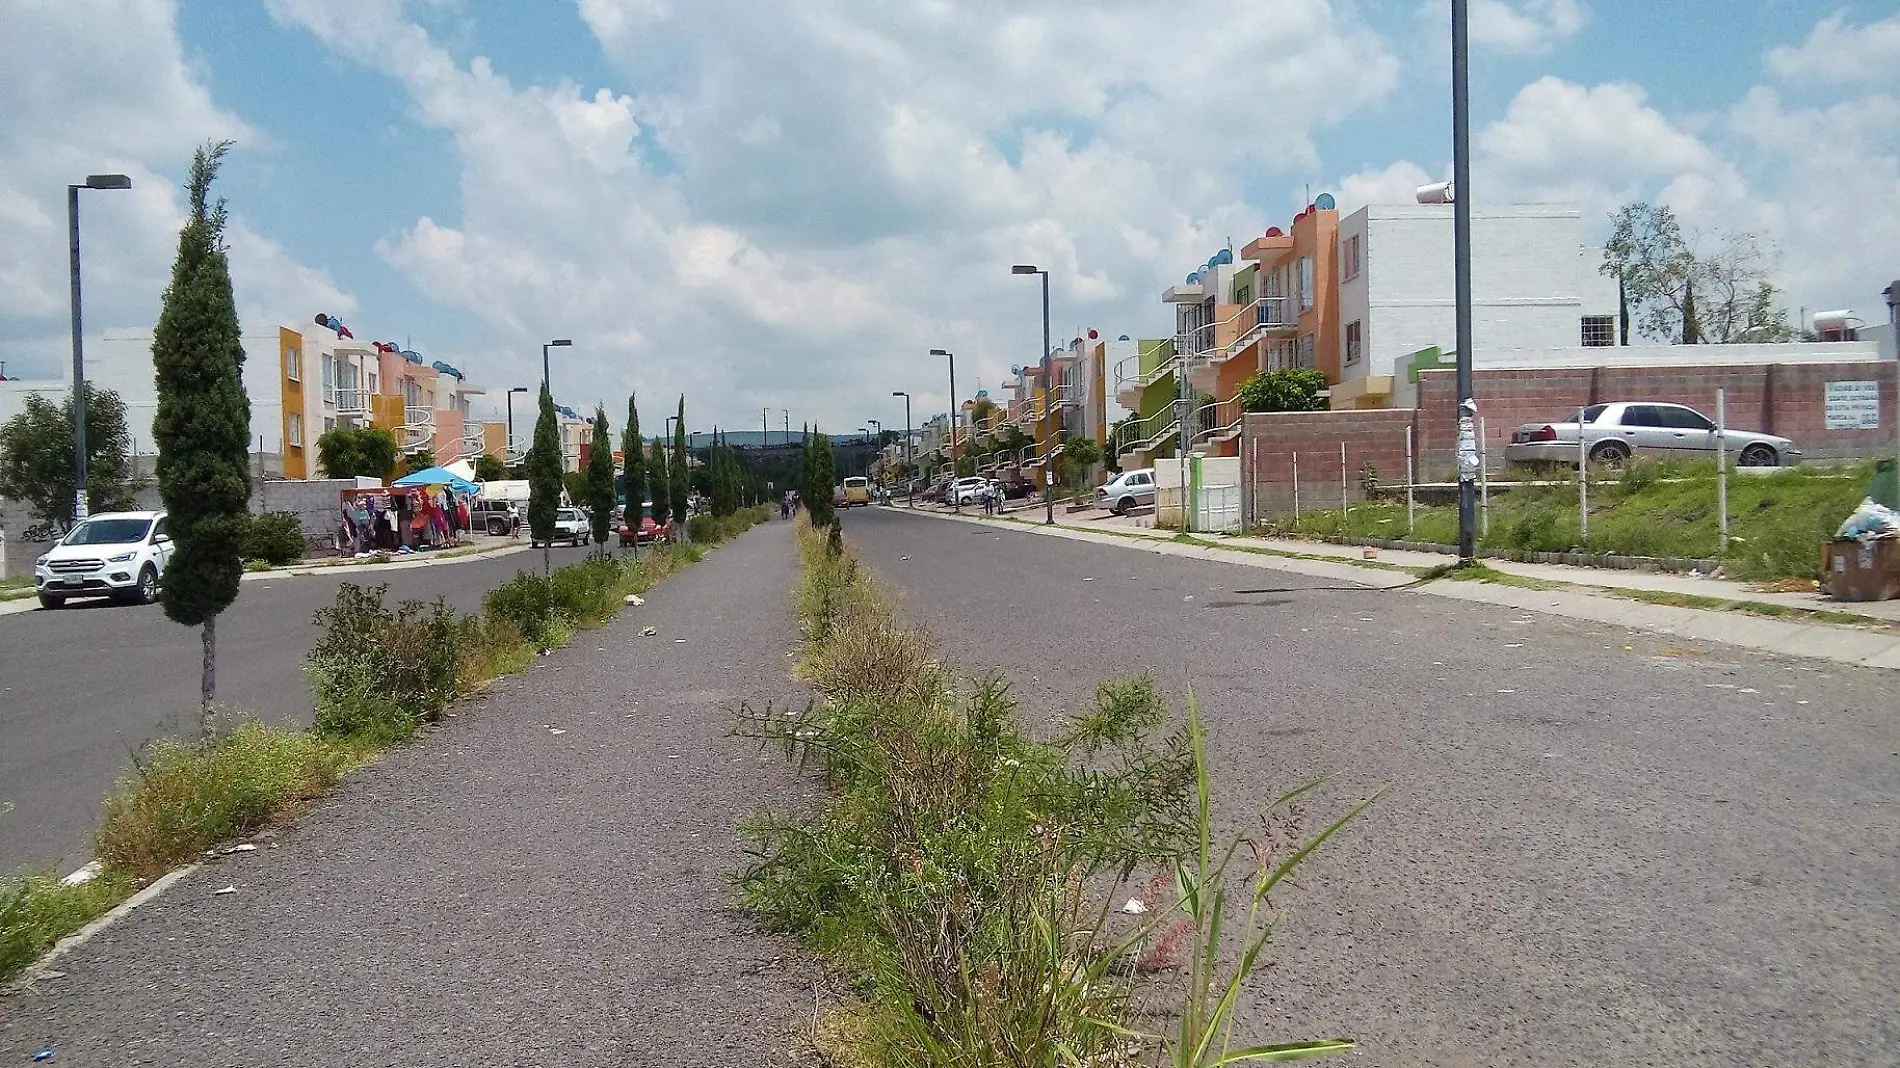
(1838,645)
(43,968)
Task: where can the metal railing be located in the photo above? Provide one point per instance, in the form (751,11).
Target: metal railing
(350,401)
(1130,376)
(418,426)
(1147,435)
(1216,422)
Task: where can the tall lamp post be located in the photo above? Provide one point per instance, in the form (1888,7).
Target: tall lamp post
(1048,402)
(878,428)
(787,413)
(955,504)
(509,448)
(910,455)
(94,181)
(557,343)
(1468,460)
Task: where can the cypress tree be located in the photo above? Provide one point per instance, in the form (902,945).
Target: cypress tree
(544,479)
(600,478)
(821,478)
(633,452)
(661,495)
(1691,325)
(677,478)
(203,423)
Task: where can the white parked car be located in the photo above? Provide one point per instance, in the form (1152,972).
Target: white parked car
(1669,431)
(571,525)
(121,555)
(1127,491)
(968,490)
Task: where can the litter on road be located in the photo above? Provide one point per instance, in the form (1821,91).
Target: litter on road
(636,600)
(226,890)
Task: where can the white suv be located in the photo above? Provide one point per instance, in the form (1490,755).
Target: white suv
(113,554)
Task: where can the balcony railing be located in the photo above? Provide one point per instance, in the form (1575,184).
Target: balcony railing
(349,401)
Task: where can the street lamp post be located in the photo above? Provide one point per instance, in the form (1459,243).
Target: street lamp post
(787,413)
(1048,399)
(94,181)
(910,455)
(509,449)
(955,504)
(1468,461)
(558,343)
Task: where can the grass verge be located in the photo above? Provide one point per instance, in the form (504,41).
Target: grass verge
(1777,522)
(960,873)
(378,674)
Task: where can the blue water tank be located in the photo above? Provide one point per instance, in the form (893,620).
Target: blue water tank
(1324,202)
(1222,258)
(1194,279)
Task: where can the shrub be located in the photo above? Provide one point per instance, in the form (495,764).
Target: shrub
(274,538)
(378,674)
(39,910)
(588,594)
(187,796)
(527,602)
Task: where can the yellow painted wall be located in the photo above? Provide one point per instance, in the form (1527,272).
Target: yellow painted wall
(290,347)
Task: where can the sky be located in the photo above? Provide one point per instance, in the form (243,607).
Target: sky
(779,208)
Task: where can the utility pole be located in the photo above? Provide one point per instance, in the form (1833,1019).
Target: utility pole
(1461,237)
(95,181)
(910,452)
(956,505)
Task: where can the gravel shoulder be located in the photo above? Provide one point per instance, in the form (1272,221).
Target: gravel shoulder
(1603,846)
(498,893)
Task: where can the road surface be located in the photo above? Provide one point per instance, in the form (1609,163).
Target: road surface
(81,688)
(1602,847)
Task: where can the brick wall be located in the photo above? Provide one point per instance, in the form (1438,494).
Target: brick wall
(1270,441)
(1784,399)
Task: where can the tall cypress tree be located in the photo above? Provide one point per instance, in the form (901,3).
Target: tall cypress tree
(203,423)
(677,478)
(661,494)
(544,479)
(820,478)
(600,478)
(1691,324)
(633,452)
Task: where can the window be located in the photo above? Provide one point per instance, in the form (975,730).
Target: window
(329,376)
(1641,415)
(1276,282)
(1676,417)
(159,528)
(329,424)
(1303,352)
(293,365)
(1351,256)
(293,430)
(1599,331)
(1594,412)
(1355,341)
(1303,285)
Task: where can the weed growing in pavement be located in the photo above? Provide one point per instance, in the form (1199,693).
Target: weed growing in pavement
(378,673)
(39,910)
(186,796)
(706,529)
(958,873)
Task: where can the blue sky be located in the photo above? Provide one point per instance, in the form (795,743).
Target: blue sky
(785,205)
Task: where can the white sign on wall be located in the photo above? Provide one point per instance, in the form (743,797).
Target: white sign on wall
(1853,405)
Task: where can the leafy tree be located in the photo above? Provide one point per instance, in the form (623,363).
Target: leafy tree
(1660,273)
(661,493)
(419,459)
(676,477)
(347,452)
(1289,389)
(490,469)
(544,477)
(633,458)
(600,478)
(203,422)
(577,487)
(36,456)
(1082,450)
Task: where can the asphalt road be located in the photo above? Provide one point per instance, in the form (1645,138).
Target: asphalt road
(83,687)
(544,881)
(1602,847)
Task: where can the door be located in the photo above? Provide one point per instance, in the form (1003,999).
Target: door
(1641,425)
(162,544)
(1689,434)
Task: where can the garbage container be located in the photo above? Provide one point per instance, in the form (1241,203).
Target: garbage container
(1862,570)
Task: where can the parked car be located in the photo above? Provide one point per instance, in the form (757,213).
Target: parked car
(647,532)
(856,492)
(121,555)
(1615,432)
(1127,491)
(571,525)
(967,490)
(494,516)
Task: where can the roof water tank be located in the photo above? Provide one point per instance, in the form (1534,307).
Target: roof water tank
(1324,202)
(1435,193)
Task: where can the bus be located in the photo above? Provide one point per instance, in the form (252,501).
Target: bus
(857,491)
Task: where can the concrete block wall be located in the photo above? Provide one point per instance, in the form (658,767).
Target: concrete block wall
(314,500)
(1269,442)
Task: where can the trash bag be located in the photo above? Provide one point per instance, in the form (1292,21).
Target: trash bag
(1870,522)
(1884,488)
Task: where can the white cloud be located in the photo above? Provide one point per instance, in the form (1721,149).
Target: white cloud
(1840,53)
(787,205)
(1526,26)
(1395,183)
(103,87)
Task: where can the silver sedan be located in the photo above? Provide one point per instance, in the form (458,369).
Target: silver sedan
(1614,432)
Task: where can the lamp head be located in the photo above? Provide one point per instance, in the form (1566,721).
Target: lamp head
(1025,268)
(108,181)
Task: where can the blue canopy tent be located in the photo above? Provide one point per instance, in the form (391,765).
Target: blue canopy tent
(437,476)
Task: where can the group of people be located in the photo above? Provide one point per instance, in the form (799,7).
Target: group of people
(389,521)
(788,504)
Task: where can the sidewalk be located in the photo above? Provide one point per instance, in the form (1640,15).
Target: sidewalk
(498,892)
